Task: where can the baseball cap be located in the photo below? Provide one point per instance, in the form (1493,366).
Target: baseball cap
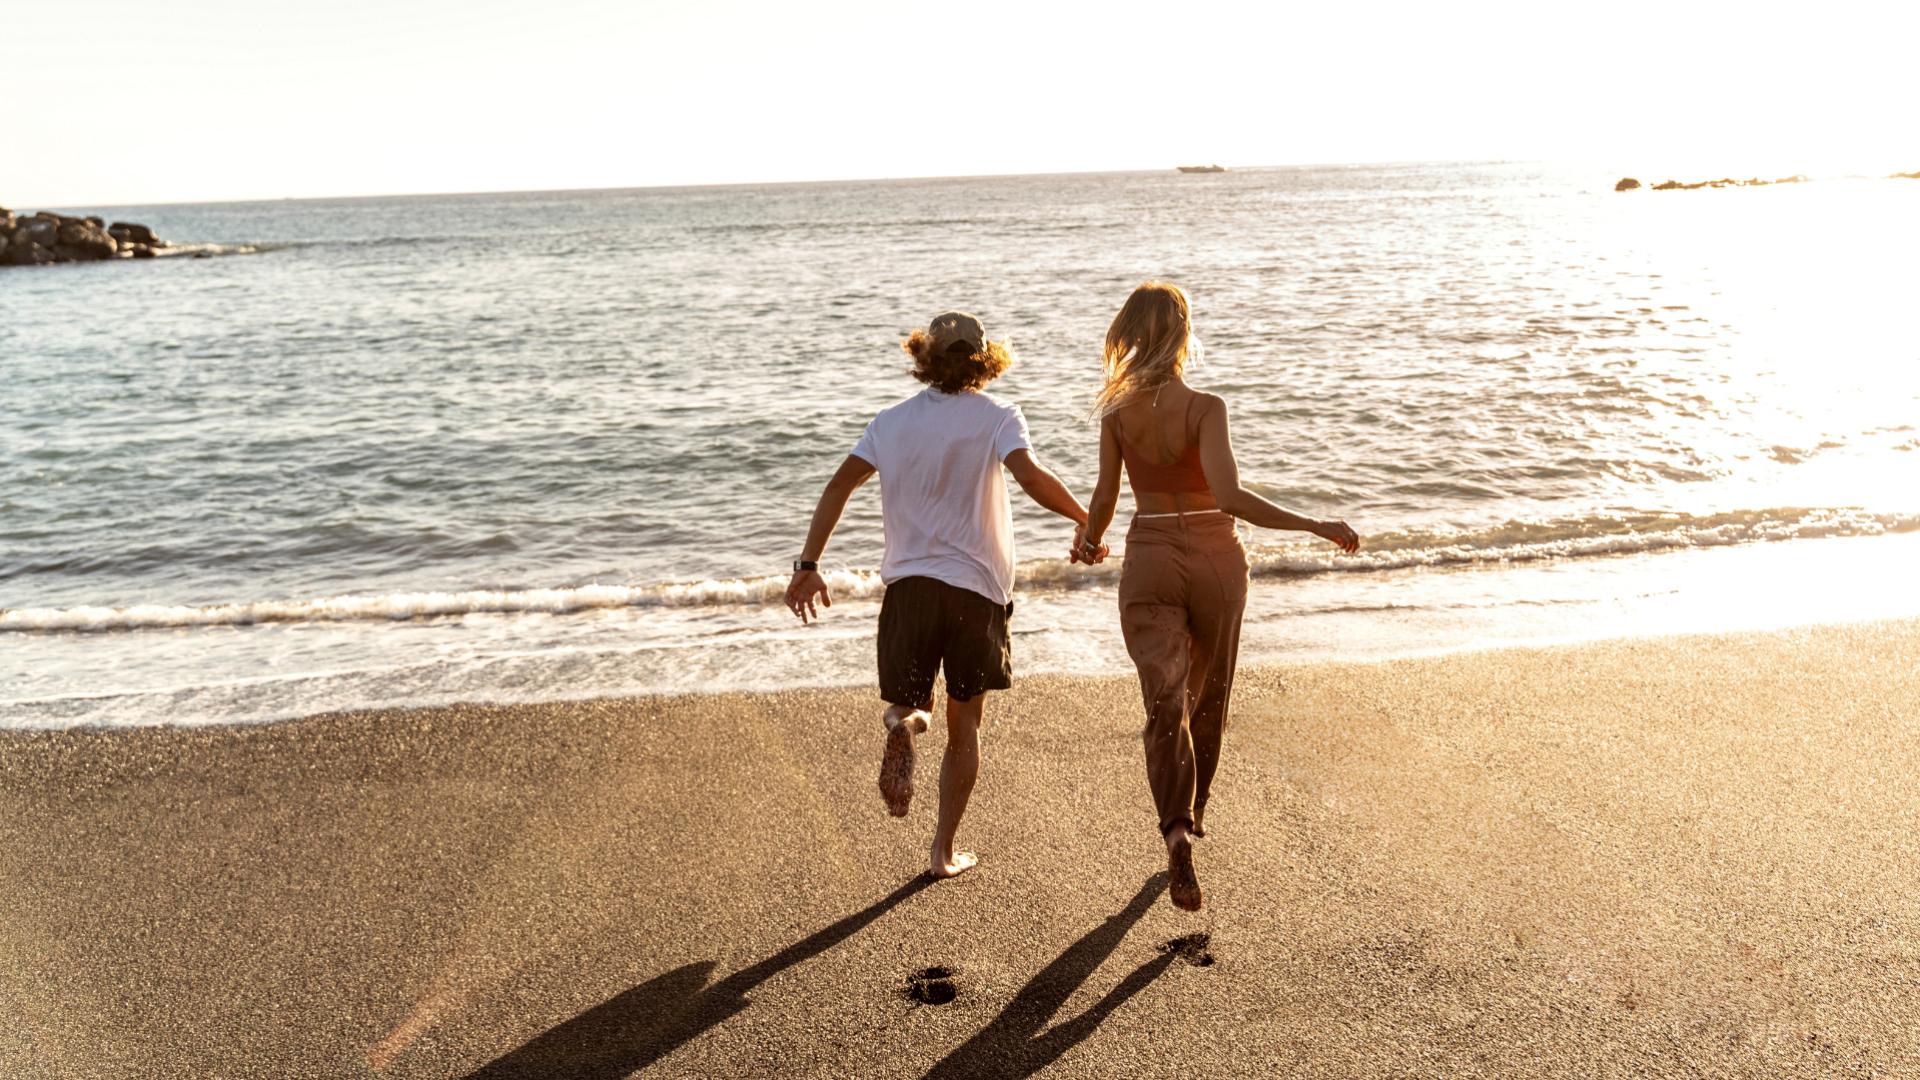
(953,326)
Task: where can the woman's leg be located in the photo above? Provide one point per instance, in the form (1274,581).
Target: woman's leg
(1218,601)
(1205,721)
(958,770)
(1153,622)
(1153,619)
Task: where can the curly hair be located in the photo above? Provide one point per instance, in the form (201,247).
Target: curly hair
(958,368)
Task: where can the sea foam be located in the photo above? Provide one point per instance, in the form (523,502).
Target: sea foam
(1508,543)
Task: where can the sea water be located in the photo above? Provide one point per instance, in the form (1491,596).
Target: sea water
(397,451)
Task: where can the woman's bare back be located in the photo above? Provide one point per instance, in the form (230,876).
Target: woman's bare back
(1161,428)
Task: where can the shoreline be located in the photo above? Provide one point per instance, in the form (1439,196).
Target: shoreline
(1658,855)
(213,676)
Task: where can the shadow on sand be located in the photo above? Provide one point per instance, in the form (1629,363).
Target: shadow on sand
(1012,1045)
(642,1025)
(629,1032)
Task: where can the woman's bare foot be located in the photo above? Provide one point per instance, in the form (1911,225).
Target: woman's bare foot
(951,865)
(1183,885)
(896,763)
(1198,832)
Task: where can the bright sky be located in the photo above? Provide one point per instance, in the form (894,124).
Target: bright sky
(135,101)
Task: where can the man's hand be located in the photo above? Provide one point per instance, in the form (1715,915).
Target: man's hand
(1083,552)
(1340,534)
(806,586)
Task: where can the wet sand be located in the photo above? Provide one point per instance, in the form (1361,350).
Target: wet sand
(1673,857)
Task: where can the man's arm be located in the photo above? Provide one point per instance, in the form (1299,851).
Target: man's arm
(807,585)
(1043,487)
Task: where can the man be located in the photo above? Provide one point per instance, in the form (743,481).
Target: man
(948,566)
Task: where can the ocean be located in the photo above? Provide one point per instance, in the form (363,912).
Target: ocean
(392,451)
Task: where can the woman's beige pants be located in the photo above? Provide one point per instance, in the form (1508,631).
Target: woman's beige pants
(1183,588)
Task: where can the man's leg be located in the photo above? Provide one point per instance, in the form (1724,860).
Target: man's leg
(902,722)
(909,654)
(958,770)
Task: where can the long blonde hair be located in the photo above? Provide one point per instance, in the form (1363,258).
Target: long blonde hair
(1147,345)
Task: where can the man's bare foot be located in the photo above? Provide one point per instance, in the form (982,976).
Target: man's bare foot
(896,763)
(1198,832)
(951,865)
(1183,885)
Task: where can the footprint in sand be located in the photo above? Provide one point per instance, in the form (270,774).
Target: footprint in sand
(1193,948)
(932,986)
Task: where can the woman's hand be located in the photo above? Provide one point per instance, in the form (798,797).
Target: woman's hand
(1084,552)
(1339,534)
(803,590)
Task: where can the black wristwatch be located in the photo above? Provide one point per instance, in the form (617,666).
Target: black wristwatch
(800,565)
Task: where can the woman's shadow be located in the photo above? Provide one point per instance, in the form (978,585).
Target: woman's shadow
(640,1026)
(1013,1046)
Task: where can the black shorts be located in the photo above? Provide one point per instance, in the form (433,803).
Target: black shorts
(927,624)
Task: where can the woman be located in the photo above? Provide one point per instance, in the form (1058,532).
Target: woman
(1184,584)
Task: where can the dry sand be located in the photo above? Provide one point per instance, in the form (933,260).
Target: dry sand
(1676,857)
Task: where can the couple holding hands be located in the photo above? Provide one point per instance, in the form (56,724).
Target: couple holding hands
(948,566)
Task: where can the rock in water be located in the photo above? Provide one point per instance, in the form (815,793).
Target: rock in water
(38,230)
(46,237)
(128,232)
(1627,183)
(82,240)
(24,252)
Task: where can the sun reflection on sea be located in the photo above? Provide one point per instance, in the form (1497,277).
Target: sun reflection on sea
(1817,377)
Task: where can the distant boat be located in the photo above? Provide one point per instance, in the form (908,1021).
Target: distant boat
(1201,168)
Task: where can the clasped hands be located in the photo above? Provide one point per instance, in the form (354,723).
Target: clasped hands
(1084,552)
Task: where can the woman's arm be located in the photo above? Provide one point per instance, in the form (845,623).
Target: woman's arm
(1106,493)
(1223,477)
(807,585)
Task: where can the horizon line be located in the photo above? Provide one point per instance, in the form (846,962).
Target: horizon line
(784,183)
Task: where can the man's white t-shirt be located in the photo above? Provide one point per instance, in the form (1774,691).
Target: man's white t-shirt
(942,497)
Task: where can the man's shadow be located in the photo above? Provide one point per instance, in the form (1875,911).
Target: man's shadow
(640,1026)
(1012,1045)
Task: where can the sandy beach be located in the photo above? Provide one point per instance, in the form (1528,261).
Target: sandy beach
(1669,857)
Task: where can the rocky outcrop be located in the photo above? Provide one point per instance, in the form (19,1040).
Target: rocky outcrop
(1629,183)
(1726,181)
(46,237)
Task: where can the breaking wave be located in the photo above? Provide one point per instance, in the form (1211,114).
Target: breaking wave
(1509,543)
